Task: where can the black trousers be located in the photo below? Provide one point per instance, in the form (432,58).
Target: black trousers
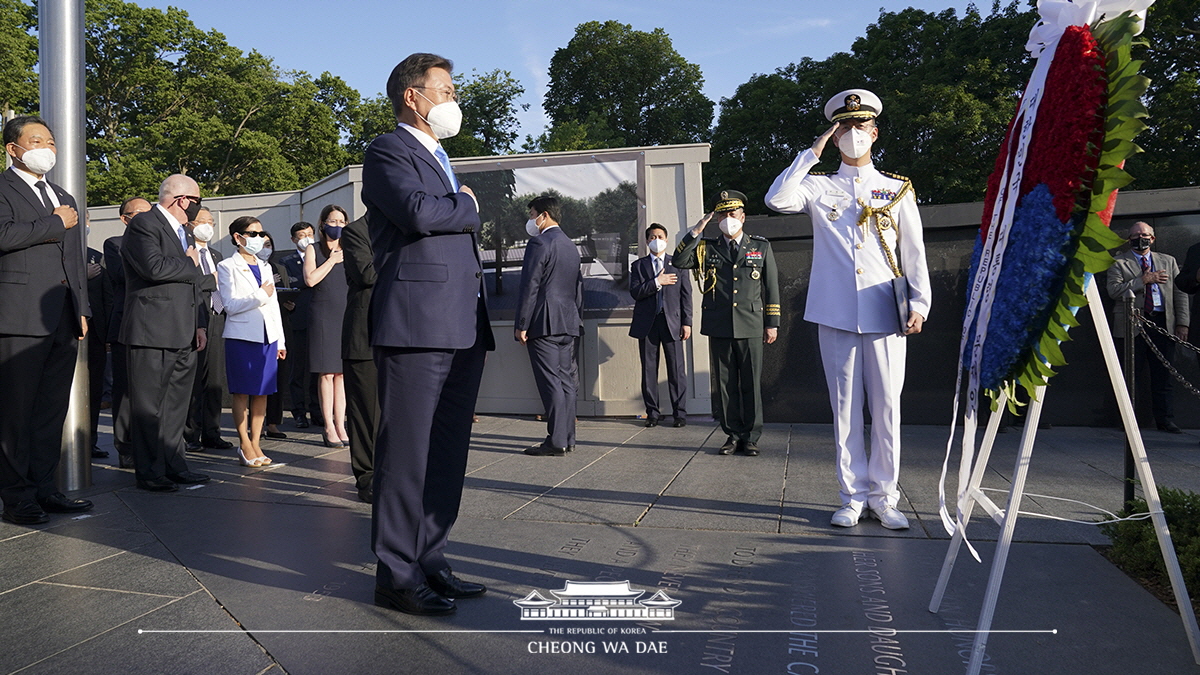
(737,378)
(302,385)
(426,403)
(672,347)
(35,389)
(160,387)
(1162,396)
(97,358)
(557,378)
(120,397)
(204,410)
(361,380)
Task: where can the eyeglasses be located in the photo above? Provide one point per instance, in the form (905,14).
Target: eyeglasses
(249,233)
(452,95)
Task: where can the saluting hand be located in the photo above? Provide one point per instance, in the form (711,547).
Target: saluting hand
(818,145)
(699,227)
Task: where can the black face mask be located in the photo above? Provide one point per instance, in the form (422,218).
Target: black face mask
(1140,243)
(192,210)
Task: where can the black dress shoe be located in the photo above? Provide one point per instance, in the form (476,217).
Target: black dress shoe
(124,461)
(97,453)
(447,585)
(275,434)
(422,600)
(158,485)
(651,421)
(750,449)
(25,513)
(366,494)
(570,448)
(188,478)
(729,447)
(543,450)
(217,444)
(300,421)
(1169,427)
(680,422)
(60,503)
(194,446)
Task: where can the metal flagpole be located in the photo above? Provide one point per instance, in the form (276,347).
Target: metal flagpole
(60,70)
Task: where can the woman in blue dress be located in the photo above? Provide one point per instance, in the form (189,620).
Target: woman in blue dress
(253,334)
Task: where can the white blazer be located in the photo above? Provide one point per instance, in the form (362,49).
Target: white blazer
(249,311)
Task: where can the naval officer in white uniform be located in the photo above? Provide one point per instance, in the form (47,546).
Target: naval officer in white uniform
(866,232)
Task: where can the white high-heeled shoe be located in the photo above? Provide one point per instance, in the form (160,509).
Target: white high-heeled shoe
(254,463)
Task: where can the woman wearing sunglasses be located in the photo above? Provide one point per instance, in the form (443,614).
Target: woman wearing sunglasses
(253,334)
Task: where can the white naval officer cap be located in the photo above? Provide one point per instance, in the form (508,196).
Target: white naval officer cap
(857,104)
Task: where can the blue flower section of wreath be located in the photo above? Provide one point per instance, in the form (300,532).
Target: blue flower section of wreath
(1030,281)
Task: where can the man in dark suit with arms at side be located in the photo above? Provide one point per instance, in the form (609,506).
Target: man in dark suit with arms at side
(164,326)
(115,269)
(549,306)
(358,362)
(43,310)
(430,332)
(662,316)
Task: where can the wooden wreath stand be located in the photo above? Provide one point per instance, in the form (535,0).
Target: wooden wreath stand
(1007,518)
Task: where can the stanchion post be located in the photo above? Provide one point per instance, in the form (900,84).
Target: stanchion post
(1131,324)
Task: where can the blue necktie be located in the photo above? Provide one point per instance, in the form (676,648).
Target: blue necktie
(444,159)
(658,298)
(182,237)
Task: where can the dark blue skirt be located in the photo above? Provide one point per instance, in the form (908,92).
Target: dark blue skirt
(251,367)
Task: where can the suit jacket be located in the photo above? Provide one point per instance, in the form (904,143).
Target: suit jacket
(550,300)
(676,298)
(41,261)
(114,269)
(360,279)
(1126,273)
(250,314)
(740,297)
(293,262)
(213,298)
(100,292)
(163,287)
(429,290)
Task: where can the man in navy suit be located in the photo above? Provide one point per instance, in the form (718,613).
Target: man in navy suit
(43,310)
(662,316)
(115,269)
(549,305)
(429,331)
(165,324)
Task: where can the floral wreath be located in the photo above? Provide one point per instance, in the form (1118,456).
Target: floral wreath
(1045,228)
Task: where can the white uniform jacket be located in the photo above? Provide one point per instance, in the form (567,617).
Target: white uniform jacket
(249,313)
(850,285)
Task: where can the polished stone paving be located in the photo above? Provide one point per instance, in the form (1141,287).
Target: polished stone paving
(270,570)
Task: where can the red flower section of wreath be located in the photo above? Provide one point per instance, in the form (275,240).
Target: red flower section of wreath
(1064,152)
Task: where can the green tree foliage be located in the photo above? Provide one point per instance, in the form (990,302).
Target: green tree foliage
(1172,62)
(621,87)
(18,54)
(949,86)
(490,108)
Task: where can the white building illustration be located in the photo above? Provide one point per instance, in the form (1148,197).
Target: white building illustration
(597,600)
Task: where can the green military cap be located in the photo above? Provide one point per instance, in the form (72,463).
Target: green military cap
(729,200)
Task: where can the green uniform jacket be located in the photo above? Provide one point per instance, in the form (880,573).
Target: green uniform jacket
(740,297)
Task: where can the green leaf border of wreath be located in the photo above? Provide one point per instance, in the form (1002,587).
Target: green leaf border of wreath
(1122,122)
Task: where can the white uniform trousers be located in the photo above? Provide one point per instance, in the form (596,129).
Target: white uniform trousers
(865,368)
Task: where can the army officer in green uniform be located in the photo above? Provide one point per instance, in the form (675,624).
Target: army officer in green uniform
(735,272)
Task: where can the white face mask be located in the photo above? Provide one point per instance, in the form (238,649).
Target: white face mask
(657,245)
(264,254)
(203,232)
(855,143)
(39,160)
(253,244)
(531,227)
(303,244)
(731,226)
(445,119)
